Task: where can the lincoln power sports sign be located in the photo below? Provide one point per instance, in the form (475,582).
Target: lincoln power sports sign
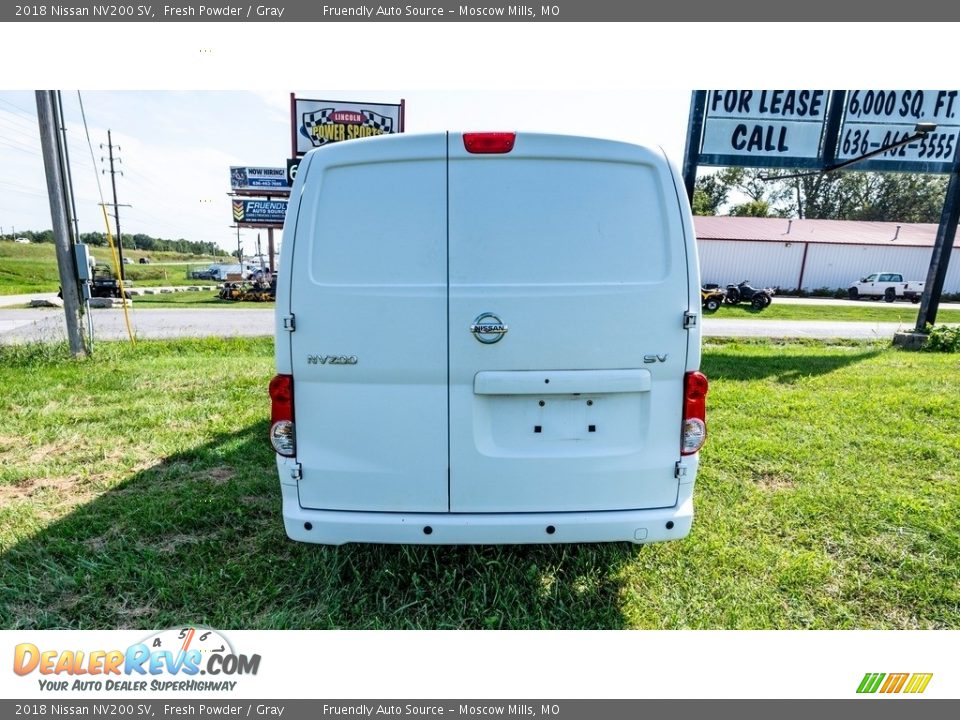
(321,122)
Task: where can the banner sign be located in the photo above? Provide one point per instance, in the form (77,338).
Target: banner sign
(875,118)
(317,123)
(261,213)
(785,126)
(251,179)
(816,129)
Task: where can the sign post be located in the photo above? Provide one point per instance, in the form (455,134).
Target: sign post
(942,247)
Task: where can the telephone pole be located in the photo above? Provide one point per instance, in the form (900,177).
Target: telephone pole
(116,206)
(47,105)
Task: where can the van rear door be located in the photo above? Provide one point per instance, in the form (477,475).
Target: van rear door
(577,247)
(369,352)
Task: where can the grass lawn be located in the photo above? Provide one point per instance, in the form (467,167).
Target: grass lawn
(905,313)
(33,268)
(201,299)
(137,489)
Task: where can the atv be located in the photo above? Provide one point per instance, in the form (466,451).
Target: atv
(759,298)
(711,298)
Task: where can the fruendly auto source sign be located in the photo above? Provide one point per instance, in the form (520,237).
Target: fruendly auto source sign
(259,213)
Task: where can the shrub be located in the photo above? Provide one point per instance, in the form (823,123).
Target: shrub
(943,338)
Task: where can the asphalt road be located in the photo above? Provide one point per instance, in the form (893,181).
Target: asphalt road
(23,325)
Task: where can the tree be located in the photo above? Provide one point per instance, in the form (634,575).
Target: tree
(709,193)
(753,208)
(841,195)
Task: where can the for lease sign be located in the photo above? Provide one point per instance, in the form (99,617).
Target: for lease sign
(786,124)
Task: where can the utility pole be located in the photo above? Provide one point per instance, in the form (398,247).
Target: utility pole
(270,251)
(116,207)
(66,261)
(68,176)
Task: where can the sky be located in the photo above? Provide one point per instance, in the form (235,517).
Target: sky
(176,148)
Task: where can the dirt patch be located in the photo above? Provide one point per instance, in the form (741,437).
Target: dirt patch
(172,543)
(220,475)
(61,447)
(68,492)
(773,482)
(130,617)
(99,542)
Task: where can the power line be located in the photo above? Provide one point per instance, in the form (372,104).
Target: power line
(30,114)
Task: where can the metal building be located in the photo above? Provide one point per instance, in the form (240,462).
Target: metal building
(814,254)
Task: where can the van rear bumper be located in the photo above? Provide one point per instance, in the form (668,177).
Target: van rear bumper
(335,527)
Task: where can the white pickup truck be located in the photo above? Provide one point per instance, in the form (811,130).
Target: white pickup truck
(886,285)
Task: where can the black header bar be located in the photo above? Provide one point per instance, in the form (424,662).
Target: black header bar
(472,11)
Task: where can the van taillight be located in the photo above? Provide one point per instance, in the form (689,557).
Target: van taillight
(489,142)
(281,416)
(694,434)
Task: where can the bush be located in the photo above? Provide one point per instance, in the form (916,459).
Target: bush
(943,338)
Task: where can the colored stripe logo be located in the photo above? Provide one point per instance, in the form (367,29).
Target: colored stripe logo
(914,683)
(238,210)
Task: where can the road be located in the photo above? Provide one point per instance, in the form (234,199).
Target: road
(48,325)
(23,325)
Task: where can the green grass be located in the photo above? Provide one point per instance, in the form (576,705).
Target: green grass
(905,313)
(137,490)
(33,268)
(201,299)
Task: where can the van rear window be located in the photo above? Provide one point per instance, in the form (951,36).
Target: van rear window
(558,222)
(380,224)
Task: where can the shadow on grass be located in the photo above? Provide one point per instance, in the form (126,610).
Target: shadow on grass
(786,368)
(199,538)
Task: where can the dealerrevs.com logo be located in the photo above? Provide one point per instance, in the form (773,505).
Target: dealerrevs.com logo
(892,683)
(181,659)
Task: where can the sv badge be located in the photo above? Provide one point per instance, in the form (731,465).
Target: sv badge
(331,359)
(655,358)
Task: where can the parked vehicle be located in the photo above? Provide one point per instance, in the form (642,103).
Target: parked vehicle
(759,298)
(886,285)
(257,291)
(103,282)
(461,362)
(711,298)
(144,261)
(207,274)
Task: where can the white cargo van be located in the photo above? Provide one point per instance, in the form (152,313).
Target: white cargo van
(487,338)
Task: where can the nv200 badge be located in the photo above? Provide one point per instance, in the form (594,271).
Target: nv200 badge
(331,359)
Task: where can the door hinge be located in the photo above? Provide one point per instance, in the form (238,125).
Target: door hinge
(290,322)
(679,470)
(296,472)
(689,320)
